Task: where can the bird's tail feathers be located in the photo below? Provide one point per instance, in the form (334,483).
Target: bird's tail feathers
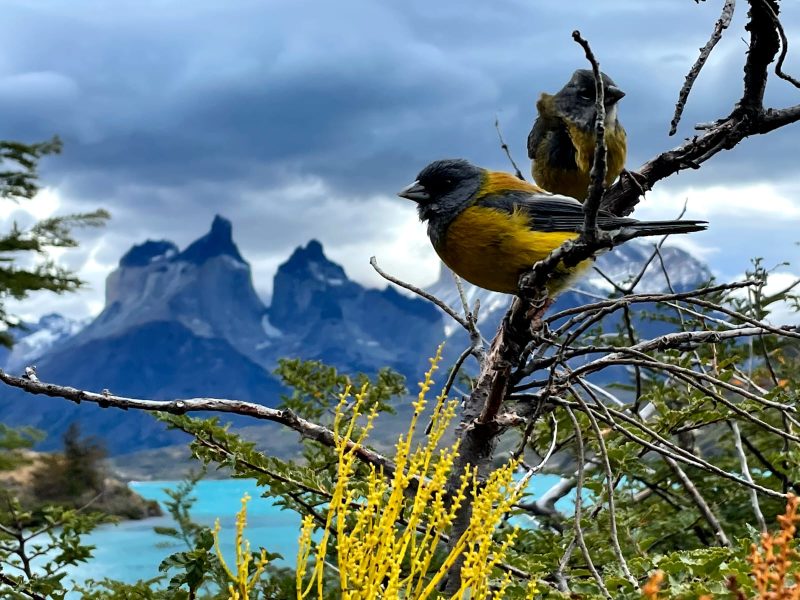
(645,228)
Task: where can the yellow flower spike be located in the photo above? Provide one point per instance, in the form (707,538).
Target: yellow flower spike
(241,585)
(218,551)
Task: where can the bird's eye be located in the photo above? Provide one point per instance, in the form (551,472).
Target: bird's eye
(448,182)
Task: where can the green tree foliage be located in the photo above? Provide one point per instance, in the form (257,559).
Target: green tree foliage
(24,263)
(12,444)
(37,546)
(72,475)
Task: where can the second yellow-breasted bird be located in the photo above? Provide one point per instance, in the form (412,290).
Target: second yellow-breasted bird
(489,227)
(562,141)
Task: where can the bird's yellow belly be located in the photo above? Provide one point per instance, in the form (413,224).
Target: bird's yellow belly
(491,249)
(575,182)
(568,182)
(584,143)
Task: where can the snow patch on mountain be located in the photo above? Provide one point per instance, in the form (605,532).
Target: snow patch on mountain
(41,337)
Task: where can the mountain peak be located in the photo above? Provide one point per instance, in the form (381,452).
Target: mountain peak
(217,242)
(312,252)
(311,261)
(314,249)
(142,255)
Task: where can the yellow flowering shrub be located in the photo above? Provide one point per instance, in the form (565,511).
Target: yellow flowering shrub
(243,582)
(388,541)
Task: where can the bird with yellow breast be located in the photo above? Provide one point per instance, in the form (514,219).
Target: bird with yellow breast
(562,141)
(489,226)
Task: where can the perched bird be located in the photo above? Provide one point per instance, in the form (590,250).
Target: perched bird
(562,141)
(489,226)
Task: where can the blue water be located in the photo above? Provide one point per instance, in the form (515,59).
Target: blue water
(131,550)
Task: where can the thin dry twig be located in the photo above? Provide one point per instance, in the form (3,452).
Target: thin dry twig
(700,502)
(180,407)
(748,118)
(597,175)
(420,292)
(737,440)
(504,147)
(784,47)
(721,25)
(612,513)
(662,445)
(451,379)
(471,318)
(578,505)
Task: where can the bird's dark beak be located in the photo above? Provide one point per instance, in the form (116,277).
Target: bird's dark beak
(613,94)
(416,192)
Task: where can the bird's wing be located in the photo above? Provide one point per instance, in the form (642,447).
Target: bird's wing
(535,137)
(548,212)
(549,139)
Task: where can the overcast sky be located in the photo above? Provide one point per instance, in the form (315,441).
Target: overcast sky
(300,119)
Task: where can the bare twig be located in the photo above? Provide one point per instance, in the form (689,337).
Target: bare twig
(649,298)
(721,25)
(471,318)
(451,379)
(420,292)
(504,148)
(662,445)
(700,502)
(737,440)
(597,175)
(578,506)
(561,581)
(454,371)
(784,47)
(180,407)
(748,118)
(612,513)
(550,450)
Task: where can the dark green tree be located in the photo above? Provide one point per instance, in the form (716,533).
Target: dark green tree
(68,476)
(25,266)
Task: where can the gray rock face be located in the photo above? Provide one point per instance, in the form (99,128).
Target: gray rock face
(325,316)
(207,288)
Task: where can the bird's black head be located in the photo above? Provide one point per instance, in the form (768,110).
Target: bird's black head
(444,188)
(576,99)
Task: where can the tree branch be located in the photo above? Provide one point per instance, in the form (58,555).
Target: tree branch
(16,587)
(721,25)
(504,148)
(597,175)
(284,417)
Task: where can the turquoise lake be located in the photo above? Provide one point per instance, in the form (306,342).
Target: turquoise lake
(131,550)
